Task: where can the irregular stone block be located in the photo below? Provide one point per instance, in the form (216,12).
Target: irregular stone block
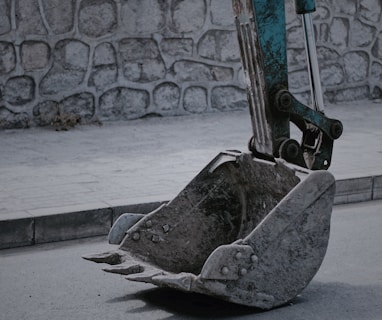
(376,72)
(376,50)
(291,18)
(103,76)
(105,68)
(45,113)
(339,32)
(324,33)
(58,80)
(221,12)
(141,60)
(356,66)
(195,99)
(228,98)
(143,16)
(104,54)
(166,97)
(186,70)
(370,10)
(5,20)
(69,68)
(123,103)
(177,47)
(326,54)
(321,13)
(221,73)
(7,57)
(347,94)
(348,7)
(28,17)
(295,38)
(11,120)
(298,79)
(97,17)
(19,90)
(81,104)
(219,45)
(34,55)
(296,57)
(72,54)
(332,74)
(361,35)
(59,14)
(188,16)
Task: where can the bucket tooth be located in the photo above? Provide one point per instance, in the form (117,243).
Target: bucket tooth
(109,257)
(126,268)
(180,281)
(146,276)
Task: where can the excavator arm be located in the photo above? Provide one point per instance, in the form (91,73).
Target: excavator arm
(249,228)
(261,32)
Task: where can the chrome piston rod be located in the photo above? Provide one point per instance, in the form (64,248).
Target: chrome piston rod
(312,60)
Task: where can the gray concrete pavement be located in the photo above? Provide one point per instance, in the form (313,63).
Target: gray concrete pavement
(69,184)
(51,281)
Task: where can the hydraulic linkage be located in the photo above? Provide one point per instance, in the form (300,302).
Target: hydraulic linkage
(261,29)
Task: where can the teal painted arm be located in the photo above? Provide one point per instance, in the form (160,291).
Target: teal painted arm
(262,39)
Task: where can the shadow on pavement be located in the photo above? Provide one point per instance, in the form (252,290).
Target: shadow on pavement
(319,300)
(183,304)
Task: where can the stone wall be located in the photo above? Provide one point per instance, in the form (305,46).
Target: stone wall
(96,60)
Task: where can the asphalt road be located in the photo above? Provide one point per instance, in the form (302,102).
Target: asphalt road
(53,282)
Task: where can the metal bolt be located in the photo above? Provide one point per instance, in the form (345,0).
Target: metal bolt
(336,129)
(225,270)
(238,255)
(136,236)
(149,224)
(155,238)
(243,271)
(254,259)
(166,228)
(284,100)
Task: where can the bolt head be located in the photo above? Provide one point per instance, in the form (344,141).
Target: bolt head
(243,271)
(225,271)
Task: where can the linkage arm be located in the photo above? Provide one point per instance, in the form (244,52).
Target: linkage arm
(262,40)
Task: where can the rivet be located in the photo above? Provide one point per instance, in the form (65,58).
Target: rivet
(238,255)
(225,270)
(254,259)
(243,271)
(149,224)
(166,228)
(155,238)
(136,236)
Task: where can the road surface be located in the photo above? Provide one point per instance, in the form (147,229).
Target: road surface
(53,282)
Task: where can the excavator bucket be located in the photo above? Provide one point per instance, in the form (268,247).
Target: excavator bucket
(252,229)
(246,230)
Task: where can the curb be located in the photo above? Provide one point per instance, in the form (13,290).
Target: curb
(41,226)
